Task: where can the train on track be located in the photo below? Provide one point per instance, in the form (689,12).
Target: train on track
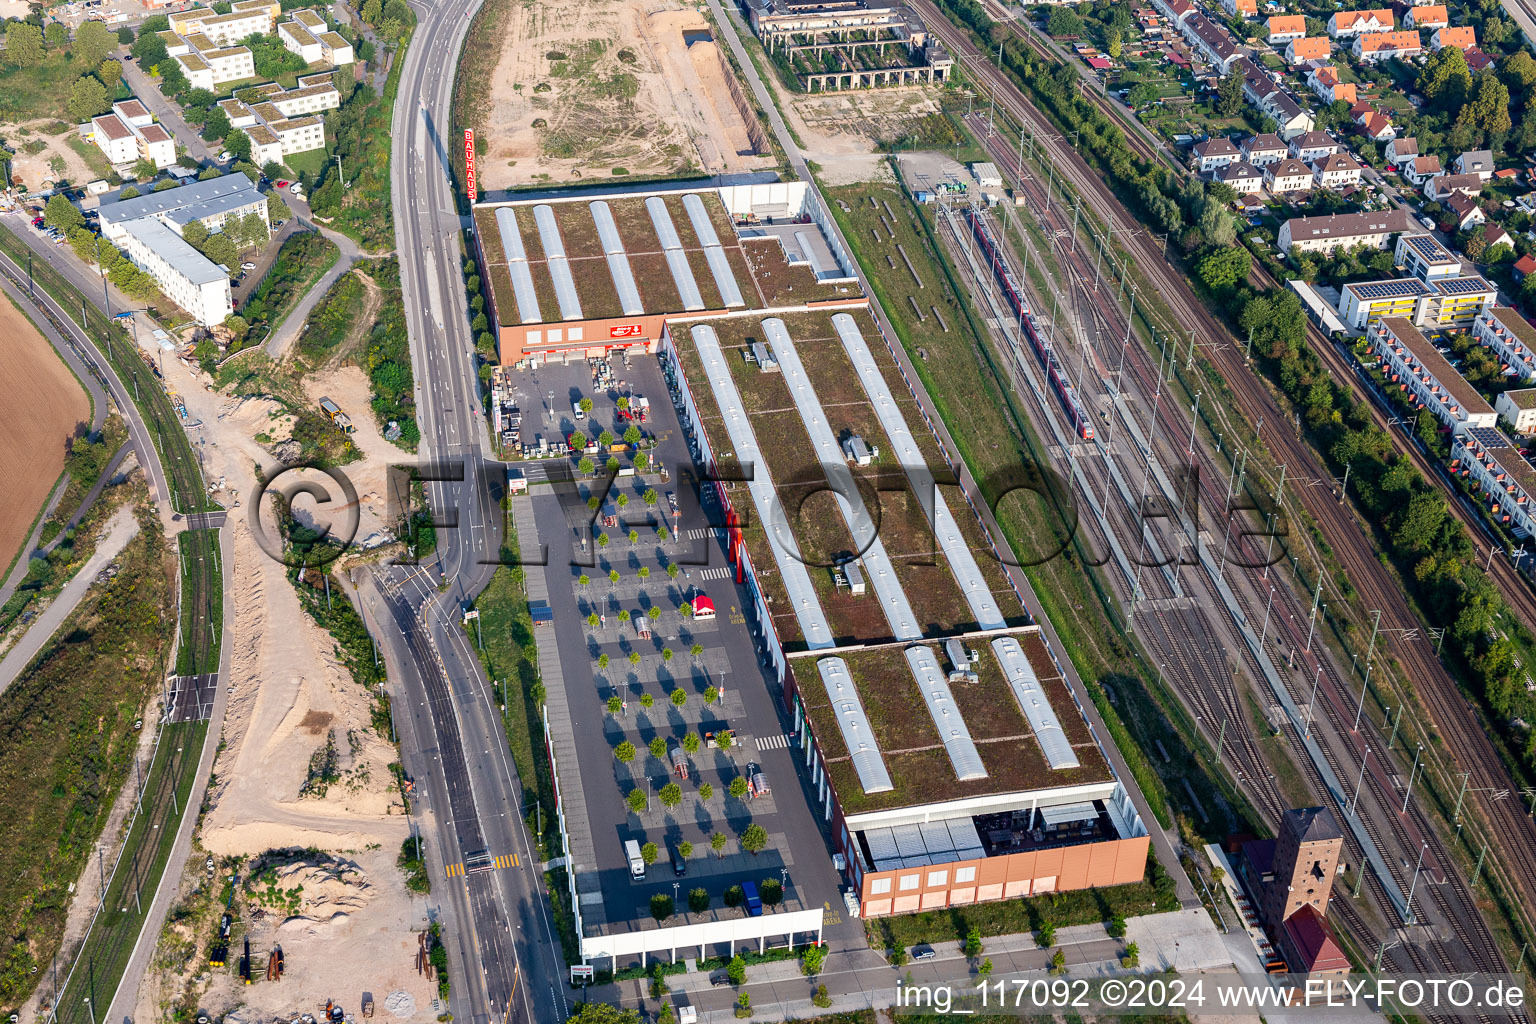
(1070,401)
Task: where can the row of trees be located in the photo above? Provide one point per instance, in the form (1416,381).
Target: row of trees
(60,213)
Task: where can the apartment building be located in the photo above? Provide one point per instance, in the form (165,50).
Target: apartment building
(334,50)
(186,276)
(1263,150)
(1288,175)
(223,29)
(275,136)
(209,69)
(1325,85)
(210,203)
(298,39)
(1410,363)
(114,139)
(1339,170)
(1299,51)
(239,114)
(1348,24)
(1425,258)
(1343,230)
(1175,10)
(1499,475)
(1444,304)
(1214,153)
(1508,335)
(1517,408)
(1430,16)
(1285,27)
(1242,176)
(1463,37)
(1378,46)
(1211,41)
(1314,146)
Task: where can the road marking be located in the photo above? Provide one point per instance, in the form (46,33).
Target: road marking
(718,573)
(506,861)
(778,742)
(455,871)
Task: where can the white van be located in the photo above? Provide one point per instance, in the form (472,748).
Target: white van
(636,862)
(576,410)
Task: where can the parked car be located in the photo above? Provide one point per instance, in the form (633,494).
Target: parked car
(679,865)
(247,266)
(923,953)
(283,184)
(754,902)
(297,188)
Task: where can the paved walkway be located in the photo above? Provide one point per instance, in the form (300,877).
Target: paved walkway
(167,113)
(120,529)
(278,344)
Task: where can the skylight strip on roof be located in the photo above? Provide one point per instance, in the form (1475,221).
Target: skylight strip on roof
(1035,704)
(858,737)
(946,715)
(865,532)
(559,267)
(677,260)
(786,551)
(809,254)
(618,260)
(719,266)
(517,267)
(951,541)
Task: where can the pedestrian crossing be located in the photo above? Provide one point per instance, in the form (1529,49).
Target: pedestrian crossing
(510,860)
(779,742)
(718,573)
(701,533)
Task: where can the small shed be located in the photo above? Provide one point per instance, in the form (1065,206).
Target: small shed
(762,355)
(856,451)
(987,175)
(855,577)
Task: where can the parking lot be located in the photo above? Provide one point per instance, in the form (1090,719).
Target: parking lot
(683,653)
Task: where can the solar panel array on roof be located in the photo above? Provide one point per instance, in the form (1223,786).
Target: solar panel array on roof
(864,530)
(786,552)
(946,715)
(882,848)
(677,260)
(1034,703)
(719,266)
(923,843)
(559,266)
(853,723)
(951,541)
(517,267)
(1488,437)
(618,260)
(1389,289)
(1462,285)
(1428,249)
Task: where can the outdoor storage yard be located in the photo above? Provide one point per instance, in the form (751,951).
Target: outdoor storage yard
(44,406)
(591,89)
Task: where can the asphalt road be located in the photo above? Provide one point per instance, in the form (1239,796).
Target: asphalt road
(502,945)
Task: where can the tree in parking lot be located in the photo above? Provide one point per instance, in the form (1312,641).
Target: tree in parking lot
(645,698)
(772,892)
(612,464)
(615,705)
(649,497)
(658,747)
(671,795)
(695,651)
(613,574)
(698,900)
(625,751)
(636,800)
(661,904)
(738,787)
(128,193)
(734,896)
(641,460)
(648,853)
(585,405)
(754,839)
(706,791)
(644,572)
(604,439)
(691,743)
(632,435)
(711,694)
(717,843)
(624,615)
(671,570)
(724,739)
(679,697)
(61,214)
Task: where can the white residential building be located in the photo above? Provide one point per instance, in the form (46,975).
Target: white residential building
(210,203)
(1214,153)
(1420,169)
(1508,336)
(115,139)
(1444,304)
(1288,176)
(334,50)
(1346,24)
(298,39)
(1425,258)
(209,69)
(1402,151)
(223,29)
(1343,230)
(1517,408)
(133,113)
(1411,364)
(186,276)
(1500,475)
(1337,171)
(1476,161)
(1243,177)
(1314,146)
(1263,150)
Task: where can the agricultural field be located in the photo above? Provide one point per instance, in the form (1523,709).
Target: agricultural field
(46,409)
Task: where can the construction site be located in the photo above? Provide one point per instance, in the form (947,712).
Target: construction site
(839,47)
(598,90)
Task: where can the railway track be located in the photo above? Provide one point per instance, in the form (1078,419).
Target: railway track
(1211,689)
(1350,542)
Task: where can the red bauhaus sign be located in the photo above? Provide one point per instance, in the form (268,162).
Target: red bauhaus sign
(469,164)
(626,331)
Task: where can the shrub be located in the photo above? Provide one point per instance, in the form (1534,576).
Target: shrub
(1047,935)
(734,897)
(698,900)
(1116,927)
(736,970)
(772,891)
(973,942)
(811,959)
(661,903)
(820,997)
(1059,962)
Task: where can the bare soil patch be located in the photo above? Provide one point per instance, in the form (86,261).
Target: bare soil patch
(44,407)
(587,88)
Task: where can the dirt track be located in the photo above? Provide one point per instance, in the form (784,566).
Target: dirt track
(42,408)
